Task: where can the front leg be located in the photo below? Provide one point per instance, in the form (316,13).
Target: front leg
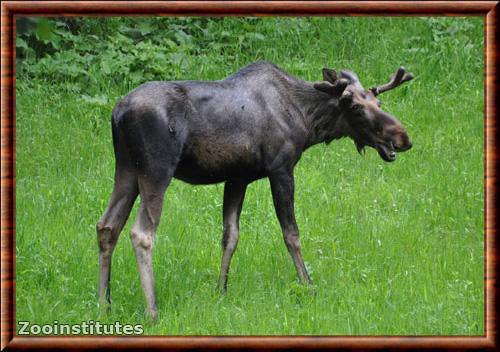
(282,188)
(234,193)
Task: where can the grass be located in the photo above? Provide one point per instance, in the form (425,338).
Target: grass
(394,249)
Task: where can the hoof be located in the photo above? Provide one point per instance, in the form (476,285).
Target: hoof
(152,316)
(221,288)
(104,309)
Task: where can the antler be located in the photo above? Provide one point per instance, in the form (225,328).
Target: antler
(400,77)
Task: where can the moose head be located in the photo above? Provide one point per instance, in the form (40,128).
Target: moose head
(361,117)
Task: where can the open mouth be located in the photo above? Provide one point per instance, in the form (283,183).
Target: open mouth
(386,151)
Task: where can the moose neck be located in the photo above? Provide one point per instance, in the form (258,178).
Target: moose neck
(321,116)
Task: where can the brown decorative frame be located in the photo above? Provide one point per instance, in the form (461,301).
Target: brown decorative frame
(9,9)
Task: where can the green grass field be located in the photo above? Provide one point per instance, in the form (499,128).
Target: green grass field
(394,249)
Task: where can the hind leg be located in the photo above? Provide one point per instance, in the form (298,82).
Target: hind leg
(109,227)
(143,233)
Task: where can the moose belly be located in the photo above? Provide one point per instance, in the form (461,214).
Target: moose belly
(209,162)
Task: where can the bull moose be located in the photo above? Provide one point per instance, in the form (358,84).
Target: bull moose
(255,123)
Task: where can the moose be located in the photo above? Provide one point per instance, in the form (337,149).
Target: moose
(256,123)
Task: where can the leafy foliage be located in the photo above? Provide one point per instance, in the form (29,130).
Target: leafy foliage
(125,50)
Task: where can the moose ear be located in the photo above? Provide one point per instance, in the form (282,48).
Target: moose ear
(325,87)
(332,89)
(329,75)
